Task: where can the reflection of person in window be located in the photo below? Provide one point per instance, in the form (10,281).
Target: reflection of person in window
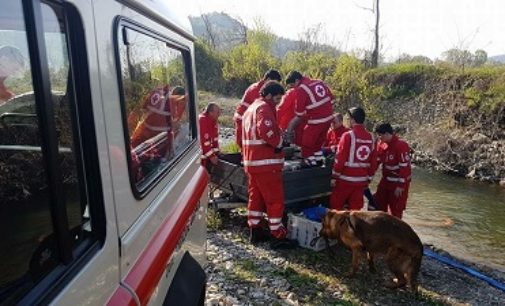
(155,130)
(11,62)
(178,103)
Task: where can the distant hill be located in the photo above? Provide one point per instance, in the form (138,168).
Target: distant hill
(497,58)
(228,32)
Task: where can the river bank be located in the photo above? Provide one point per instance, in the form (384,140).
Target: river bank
(459,152)
(242,274)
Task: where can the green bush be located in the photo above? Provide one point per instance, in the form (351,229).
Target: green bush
(488,93)
(317,65)
(246,64)
(209,68)
(404,79)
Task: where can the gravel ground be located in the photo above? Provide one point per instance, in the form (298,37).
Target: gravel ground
(243,274)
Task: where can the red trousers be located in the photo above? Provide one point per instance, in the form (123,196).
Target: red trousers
(313,138)
(299,134)
(385,198)
(266,193)
(345,192)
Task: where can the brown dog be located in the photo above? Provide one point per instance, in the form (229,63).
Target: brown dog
(377,233)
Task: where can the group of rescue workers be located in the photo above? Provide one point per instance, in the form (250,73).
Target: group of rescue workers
(268,118)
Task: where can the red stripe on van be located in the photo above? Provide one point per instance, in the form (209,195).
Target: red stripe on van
(147,271)
(121,297)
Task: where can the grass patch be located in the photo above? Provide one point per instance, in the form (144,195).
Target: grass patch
(429,298)
(298,279)
(244,271)
(243,274)
(230,147)
(214,220)
(226,121)
(316,285)
(249,265)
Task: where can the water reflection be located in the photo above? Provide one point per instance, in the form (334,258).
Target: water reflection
(477,210)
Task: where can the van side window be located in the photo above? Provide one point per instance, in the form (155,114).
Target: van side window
(42,230)
(156,102)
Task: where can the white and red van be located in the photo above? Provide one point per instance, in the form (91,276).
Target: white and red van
(102,196)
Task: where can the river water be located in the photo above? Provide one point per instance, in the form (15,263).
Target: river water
(463,217)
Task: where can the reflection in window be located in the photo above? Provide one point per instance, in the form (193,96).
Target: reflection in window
(156,102)
(28,248)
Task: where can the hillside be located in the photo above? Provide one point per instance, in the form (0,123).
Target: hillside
(229,32)
(498,58)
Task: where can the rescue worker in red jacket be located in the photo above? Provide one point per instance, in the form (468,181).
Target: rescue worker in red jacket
(178,101)
(393,189)
(11,62)
(263,162)
(337,129)
(251,94)
(314,103)
(286,113)
(355,164)
(156,120)
(209,135)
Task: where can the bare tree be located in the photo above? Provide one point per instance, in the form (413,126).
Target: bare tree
(310,38)
(375,52)
(236,35)
(374,61)
(242,31)
(211,36)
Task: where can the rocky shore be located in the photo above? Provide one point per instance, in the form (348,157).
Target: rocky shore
(242,274)
(471,155)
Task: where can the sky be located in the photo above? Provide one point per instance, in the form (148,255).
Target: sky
(416,27)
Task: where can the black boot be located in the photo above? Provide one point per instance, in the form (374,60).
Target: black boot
(258,234)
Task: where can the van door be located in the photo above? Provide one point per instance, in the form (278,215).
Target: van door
(150,113)
(55,214)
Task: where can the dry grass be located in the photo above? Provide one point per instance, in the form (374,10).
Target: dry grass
(227,105)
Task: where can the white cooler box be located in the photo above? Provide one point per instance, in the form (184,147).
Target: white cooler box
(304,231)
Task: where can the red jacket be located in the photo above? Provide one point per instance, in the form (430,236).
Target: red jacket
(314,101)
(208,136)
(158,118)
(333,138)
(178,106)
(395,159)
(251,94)
(261,135)
(286,109)
(356,161)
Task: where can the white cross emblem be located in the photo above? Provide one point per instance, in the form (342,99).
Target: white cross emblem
(155,98)
(320,91)
(363,152)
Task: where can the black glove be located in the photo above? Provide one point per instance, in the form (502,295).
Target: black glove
(278,150)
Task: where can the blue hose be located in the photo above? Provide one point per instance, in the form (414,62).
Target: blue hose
(464,268)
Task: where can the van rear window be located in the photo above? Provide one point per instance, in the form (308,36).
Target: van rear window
(156,103)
